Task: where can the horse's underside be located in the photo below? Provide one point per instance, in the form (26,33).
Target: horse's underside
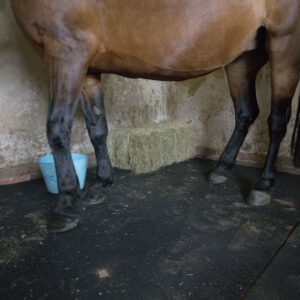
(165,40)
(159,39)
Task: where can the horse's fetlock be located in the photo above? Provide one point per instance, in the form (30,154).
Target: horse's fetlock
(99,138)
(226,163)
(99,135)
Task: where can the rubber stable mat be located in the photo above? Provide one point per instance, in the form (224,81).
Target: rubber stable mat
(281,279)
(165,235)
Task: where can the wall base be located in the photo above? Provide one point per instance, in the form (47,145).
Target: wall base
(146,149)
(284,164)
(28,172)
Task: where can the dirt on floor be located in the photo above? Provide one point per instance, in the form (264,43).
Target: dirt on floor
(164,235)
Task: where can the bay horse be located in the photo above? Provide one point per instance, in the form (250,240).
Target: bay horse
(161,40)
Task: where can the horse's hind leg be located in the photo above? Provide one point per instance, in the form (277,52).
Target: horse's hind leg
(65,84)
(94,113)
(285,74)
(241,78)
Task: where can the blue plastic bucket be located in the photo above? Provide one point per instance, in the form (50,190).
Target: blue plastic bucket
(47,167)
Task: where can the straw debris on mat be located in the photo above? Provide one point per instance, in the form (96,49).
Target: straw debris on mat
(149,148)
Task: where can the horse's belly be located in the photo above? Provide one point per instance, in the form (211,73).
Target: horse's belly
(157,38)
(179,37)
(134,68)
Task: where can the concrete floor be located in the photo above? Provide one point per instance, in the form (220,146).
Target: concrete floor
(165,235)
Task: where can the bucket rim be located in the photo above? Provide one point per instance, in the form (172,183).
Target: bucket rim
(79,155)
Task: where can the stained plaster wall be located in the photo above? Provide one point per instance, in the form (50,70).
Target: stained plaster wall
(204,102)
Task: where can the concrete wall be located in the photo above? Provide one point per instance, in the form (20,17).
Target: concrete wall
(204,102)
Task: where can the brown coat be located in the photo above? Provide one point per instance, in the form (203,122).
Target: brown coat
(160,39)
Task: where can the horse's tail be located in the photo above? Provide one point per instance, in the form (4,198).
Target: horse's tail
(296,139)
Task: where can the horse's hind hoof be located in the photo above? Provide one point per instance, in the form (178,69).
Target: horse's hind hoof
(61,224)
(217,179)
(258,198)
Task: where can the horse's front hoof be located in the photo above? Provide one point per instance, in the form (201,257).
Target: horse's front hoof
(90,199)
(258,198)
(93,195)
(59,223)
(217,179)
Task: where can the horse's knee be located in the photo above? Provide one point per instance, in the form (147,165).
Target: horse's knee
(98,134)
(58,132)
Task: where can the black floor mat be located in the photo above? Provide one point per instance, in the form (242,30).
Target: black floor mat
(281,279)
(165,235)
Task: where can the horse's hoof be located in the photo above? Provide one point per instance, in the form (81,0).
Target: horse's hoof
(107,181)
(216,178)
(93,199)
(61,224)
(258,198)
(93,195)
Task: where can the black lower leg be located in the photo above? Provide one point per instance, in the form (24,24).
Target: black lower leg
(241,75)
(65,82)
(67,212)
(277,121)
(260,195)
(246,111)
(94,112)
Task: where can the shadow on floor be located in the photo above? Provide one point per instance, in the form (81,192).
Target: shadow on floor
(165,235)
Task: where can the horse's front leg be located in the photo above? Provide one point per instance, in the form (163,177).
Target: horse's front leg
(94,113)
(65,78)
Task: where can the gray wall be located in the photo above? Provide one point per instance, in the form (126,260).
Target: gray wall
(204,102)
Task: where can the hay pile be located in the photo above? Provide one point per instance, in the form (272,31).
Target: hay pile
(149,148)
